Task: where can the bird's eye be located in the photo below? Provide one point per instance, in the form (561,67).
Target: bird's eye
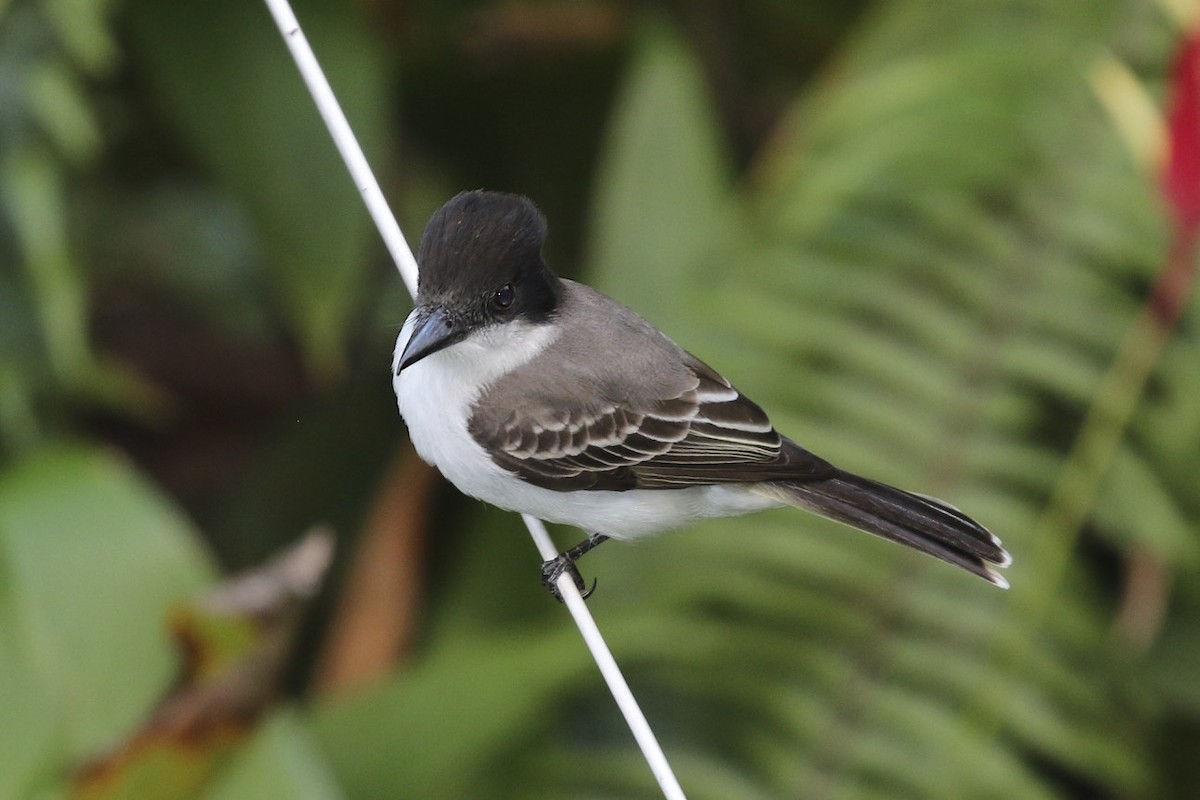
(504,296)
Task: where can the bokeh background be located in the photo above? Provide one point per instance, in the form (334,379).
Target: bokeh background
(947,244)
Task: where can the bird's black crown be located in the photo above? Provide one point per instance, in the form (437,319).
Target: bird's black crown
(478,244)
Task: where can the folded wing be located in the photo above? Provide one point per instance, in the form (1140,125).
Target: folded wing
(708,433)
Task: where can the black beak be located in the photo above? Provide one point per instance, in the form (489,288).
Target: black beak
(433,332)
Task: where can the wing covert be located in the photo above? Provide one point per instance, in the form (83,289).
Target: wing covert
(707,433)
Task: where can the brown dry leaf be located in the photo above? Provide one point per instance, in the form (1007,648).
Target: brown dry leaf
(233,643)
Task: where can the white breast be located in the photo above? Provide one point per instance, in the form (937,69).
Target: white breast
(436,394)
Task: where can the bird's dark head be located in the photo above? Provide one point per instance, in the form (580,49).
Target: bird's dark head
(480,264)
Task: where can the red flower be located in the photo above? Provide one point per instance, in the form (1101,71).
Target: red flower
(1181,183)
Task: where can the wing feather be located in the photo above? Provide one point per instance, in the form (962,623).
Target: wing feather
(707,433)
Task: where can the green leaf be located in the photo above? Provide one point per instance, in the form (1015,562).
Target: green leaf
(437,729)
(57,99)
(282,762)
(31,739)
(32,192)
(91,559)
(82,28)
(660,202)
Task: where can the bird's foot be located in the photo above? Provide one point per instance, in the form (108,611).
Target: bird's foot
(564,564)
(561,565)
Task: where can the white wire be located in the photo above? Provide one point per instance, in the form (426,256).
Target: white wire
(347,144)
(628,704)
(393,238)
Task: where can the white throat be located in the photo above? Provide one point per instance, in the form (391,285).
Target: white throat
(436,394)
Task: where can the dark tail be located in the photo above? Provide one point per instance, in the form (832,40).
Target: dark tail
(922,523)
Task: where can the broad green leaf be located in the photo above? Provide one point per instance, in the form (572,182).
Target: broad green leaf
(31,738)
(91,559)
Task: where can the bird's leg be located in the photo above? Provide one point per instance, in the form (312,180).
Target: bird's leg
(564,563)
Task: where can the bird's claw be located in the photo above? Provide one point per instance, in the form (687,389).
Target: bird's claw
(560,565)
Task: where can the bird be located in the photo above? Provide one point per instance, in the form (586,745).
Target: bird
(544,396)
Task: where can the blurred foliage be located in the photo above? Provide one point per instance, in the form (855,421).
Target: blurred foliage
(925,235)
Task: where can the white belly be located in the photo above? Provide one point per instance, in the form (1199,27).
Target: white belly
(436,405)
